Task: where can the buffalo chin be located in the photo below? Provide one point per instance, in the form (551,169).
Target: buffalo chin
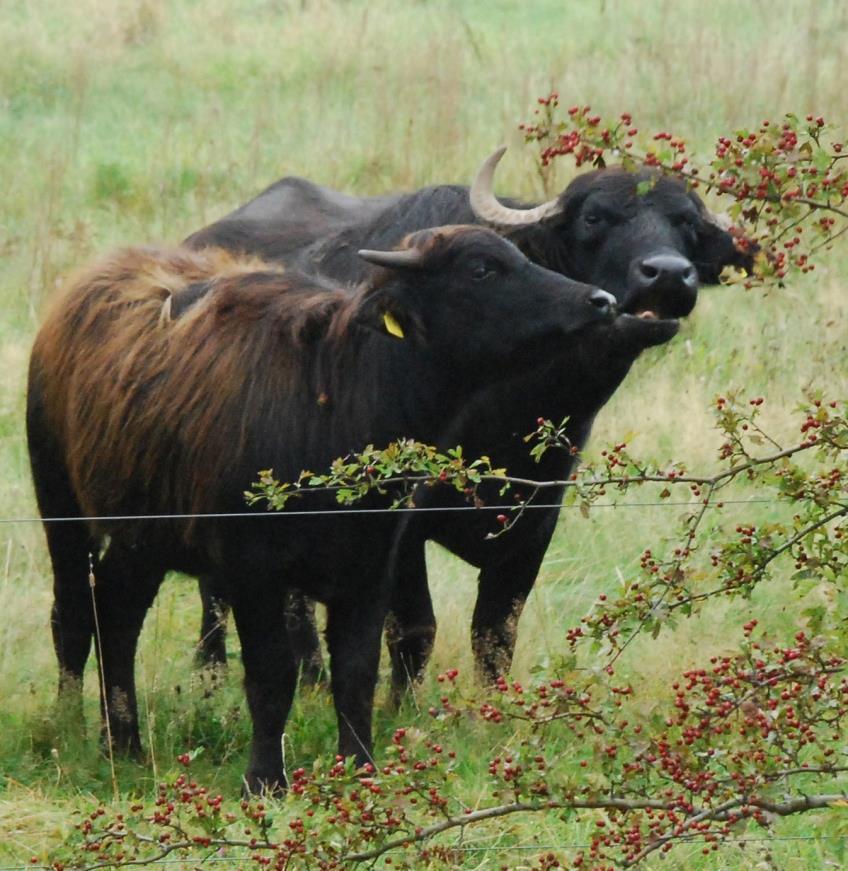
(634,333)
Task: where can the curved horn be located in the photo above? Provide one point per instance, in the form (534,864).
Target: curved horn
(406,258)
(486,207)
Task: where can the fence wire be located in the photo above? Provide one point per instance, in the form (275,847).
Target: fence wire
(532,506)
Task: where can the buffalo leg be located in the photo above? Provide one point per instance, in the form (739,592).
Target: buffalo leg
(501,595)
(269,682)
(69,544)
(411,623)
(303,636)
(72,616)
(354,631)
(212,646)
(300,620)
(125,587)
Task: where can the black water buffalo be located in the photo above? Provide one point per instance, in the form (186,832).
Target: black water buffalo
(645,238)
(163,380)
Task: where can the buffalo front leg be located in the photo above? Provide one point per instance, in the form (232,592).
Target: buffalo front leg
(502,592)
(354,630)
(269,683)
(411,623)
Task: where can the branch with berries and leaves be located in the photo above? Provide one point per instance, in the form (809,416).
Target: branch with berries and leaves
(748,738)
(806,483)
(785,182)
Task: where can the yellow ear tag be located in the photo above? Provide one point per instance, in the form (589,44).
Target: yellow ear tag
(392,326)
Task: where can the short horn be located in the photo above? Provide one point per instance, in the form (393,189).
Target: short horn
(486,207)
(406,258)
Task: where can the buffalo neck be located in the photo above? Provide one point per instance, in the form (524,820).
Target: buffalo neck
(379,388)
(575,384)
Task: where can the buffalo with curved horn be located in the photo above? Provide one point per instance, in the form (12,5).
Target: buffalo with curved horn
(650,245)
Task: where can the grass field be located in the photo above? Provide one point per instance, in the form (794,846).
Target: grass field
(142,120)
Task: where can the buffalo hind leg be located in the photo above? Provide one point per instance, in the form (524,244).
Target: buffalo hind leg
(212,646)
(69,545)
(72,615)
(411,623)
(269,682)
(125,587)
(303,636)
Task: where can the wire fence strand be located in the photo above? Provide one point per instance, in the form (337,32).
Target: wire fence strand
(223,515)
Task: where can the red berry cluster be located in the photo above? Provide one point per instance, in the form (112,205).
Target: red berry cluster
(784,177)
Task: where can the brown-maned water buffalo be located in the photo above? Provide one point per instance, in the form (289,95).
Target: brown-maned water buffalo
(645,238)
(162,381)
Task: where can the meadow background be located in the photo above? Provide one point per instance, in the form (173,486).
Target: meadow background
(141,121)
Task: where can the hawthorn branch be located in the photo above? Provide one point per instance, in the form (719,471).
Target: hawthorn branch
(717,813)
(793,772)
(578,716)
(722,812)
(760,570)
(165,850)
(694,524)
(710,184)
(825,243)
(411,481)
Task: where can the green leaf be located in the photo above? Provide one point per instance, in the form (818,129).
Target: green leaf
(645,186)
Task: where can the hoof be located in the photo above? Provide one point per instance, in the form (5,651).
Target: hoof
(213,657)
(124,744)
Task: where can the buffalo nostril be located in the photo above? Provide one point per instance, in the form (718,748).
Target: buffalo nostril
(601,299)
(663,268)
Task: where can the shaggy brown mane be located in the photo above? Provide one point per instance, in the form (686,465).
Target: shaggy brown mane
(129,367)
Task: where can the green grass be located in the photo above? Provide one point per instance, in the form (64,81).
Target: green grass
(140,121)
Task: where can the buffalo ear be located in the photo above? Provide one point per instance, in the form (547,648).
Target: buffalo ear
(388,313)
(385,309)
(717,248)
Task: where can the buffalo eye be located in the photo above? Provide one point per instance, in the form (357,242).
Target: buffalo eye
(686,222)
(481,269)
(593,219)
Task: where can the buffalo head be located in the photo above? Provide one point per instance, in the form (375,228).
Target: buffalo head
(471,296)
(644,237)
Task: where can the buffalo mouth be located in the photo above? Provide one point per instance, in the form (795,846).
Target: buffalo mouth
(644,329)
(650,320)
(660,304)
